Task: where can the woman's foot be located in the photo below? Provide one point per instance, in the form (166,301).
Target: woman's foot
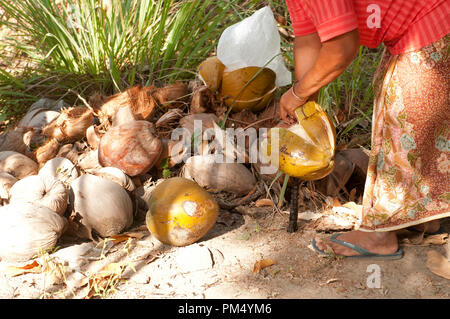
(382,243)
(429,227)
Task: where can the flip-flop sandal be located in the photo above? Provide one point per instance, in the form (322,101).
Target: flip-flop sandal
(363,253)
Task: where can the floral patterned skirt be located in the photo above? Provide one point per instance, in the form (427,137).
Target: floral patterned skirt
(408,180)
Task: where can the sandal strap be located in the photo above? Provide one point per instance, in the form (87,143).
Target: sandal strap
(358,249)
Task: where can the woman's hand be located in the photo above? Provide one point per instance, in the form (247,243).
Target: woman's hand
(316,65)
(289,102)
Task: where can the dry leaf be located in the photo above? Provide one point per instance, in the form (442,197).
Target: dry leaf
(263,263)
(336,202)
(329,281)
(14,271)
(438,239)
(438,264)
(409,238)
(101,279)
(125,236)
(264,202)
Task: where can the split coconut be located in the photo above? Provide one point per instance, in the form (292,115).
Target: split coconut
(305,150)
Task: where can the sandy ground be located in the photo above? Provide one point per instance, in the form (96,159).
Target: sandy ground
(221,266)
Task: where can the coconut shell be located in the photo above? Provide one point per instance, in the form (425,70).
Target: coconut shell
(99,205)
(131,147)
(26,228)
(17,165)
(70,126)
(209,172)
(172,96)
(210,72)
(42,190)
(305,150)
(240,90)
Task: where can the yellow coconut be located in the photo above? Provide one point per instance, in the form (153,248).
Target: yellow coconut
(210,72)
(180,212)
(248,88)
(305,150)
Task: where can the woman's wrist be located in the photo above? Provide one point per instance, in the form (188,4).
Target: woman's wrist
(298,95)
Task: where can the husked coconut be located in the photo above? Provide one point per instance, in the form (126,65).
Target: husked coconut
(48,104)
(61,169)
(173,95)
(17,140)
(88,161)
(16,164)
(138,98)
(211,172)
(40,189)
(99,205)
(6,182)
(116,175)
(38,118)
(26,228)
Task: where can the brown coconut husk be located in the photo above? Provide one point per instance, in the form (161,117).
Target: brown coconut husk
(207,121)
(172,96)
(167,122)
(47,151)
(70,152)
(202,100)
(168,150)
(129,145)
(70,126)
(138,98)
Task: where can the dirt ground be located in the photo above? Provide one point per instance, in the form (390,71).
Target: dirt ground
(221,266)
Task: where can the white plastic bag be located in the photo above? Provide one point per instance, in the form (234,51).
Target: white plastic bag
(253,42)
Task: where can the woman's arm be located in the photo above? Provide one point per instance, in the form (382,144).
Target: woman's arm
(306,51)
(333,58)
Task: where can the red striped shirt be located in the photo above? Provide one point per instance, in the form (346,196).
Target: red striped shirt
(402,25)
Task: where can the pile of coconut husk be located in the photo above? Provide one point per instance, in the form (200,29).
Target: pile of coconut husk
(88,170)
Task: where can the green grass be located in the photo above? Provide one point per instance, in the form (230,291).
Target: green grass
(83,46)
(79,46)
